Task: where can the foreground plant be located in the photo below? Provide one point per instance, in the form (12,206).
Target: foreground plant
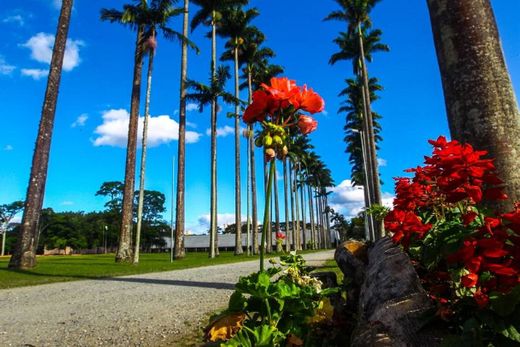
(468,257)
(278,109)
(274,306)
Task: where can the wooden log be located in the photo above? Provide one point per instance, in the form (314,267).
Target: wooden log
(391,301)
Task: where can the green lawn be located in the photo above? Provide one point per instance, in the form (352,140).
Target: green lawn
(331,265)
(77,267)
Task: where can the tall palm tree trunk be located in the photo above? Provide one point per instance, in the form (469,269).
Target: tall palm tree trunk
(124,249)
(319,220)
(480,101)
(143,157)
(238,217)
(179,251)
(311,216)
(253,169)
(248,193)
(286,205)
(24,253)
(297,241)
(276,210)
(4,235)
(370,137)
(304,224)
(269,234)
(327,219)
(293,212)
(213,197)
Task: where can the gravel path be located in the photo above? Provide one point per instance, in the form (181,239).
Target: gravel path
(154,309)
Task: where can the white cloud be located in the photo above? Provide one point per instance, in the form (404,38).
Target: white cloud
(80,121)
(15,19)
(41,46)
(8,148)
(191,125)
(223,131)
(192,107)
(67,203)
(5,68)
(382,162)
(35,73)
(161,129)
(349,200)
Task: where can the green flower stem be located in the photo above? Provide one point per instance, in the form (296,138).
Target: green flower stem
(266,211)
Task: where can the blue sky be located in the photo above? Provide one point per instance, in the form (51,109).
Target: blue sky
(89,133)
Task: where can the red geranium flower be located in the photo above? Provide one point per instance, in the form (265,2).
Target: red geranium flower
(307,124)
(469,281)
(481,299)
(280,236)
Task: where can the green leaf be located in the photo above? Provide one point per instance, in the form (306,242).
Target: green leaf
(511,333)
(237,302)
(505,304)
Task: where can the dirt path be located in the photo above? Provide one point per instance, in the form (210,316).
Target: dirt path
(140,310)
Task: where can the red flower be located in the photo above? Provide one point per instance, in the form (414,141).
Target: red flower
(280,236)
(308,100)
(281,89)
(405,224)
(307,124)
(469,217)
(469,281)
(257,110)
(481,299)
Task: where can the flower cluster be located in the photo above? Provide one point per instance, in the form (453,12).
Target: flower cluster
(467,254)
(490,256)
(277,107)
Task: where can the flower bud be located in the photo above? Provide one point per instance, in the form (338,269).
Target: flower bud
(269,154)
(258,142)
(277,140)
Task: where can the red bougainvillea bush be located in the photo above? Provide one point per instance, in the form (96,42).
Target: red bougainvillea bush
(467,256)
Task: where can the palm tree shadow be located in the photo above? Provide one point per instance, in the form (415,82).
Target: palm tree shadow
(182,283)
(172,282)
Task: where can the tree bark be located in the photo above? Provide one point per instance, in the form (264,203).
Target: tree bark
(124,250)
(276,210)
(253,171)
(304,224)
(480,101)
(311,215)
(238,218)
(179,251)
(298,239)
(143,157)
(24,253)
(371,149)
(213,160)
(293,212)
(286,205)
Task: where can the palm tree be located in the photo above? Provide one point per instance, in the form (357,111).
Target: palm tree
(355,138)
(157,16)
(480,100)
(24,254)
(235,26)
(356,14)
(286,205)
(134,17)
(179,251)
(207,95)
(210,12)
